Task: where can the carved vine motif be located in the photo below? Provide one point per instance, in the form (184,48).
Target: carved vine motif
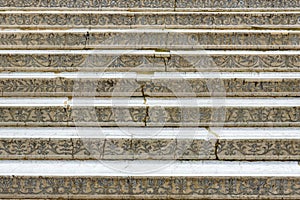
(150,4)
(255,187)
(259,149)
(172,40)
(69,62)
(128,20)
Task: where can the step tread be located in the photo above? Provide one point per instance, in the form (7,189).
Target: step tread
(166,168)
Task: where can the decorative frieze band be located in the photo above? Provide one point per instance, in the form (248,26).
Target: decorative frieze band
(169,86)
(129,62)
(150,4)
(107,148)
(154,39)
(144,187)
(154,112)
(149,20)
(148,149)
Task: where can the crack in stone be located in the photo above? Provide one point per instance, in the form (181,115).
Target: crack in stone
(145,102)
(217,142)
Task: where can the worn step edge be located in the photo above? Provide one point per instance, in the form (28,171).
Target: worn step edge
(148,60)
(162,112)
(150,143)
(158,84)
(94,179)
(92,19)
(169,39)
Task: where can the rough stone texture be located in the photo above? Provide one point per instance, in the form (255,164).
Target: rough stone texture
(158,39)
(149,20)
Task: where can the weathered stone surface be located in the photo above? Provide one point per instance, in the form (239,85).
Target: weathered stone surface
(62,112)
(65,61)
(149,61)
(106,143)
(223,112)
(86,180)
(150,39)
(253,149)
(240,61)
(150,4)
(148,20)
(158,84)
(258,143)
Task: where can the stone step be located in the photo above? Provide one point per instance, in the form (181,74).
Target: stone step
(158,84)
(158,112)
(107,143)
(159,39)
(156,5)
(123,19)
(149,179)
(150,143)
(148,61)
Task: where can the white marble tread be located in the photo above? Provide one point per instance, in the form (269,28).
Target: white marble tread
(149,168)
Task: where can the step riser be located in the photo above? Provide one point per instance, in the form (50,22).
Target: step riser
(156,20)
(155,5)
(148,149)
(149,187)
(158,62)
(156,87)
(151,115)
(158,39)
(108,149)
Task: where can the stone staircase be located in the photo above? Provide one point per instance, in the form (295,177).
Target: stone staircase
(149,99)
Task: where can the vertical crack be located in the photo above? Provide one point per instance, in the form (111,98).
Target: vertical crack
(87,38)
(73,148)
(217,142)
(145,102)
(216,149)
